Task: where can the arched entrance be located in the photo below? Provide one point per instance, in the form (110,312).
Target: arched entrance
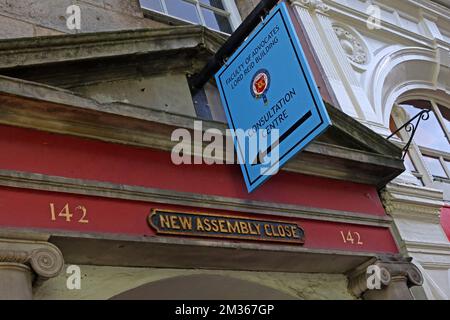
(202,287)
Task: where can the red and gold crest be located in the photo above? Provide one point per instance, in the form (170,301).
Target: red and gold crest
(260,84)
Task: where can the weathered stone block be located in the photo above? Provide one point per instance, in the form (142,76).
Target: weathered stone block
(96,16)
(40,32)
(13,28)
(169,93)
(98,3)
(246,6)
(130,7)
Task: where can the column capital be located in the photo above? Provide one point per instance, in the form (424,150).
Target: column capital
(396,276)
(313,5)
(44,258)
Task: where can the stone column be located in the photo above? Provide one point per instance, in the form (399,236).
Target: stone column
(24,264)
(385,278)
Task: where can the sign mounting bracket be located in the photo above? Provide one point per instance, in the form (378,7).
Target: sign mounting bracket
(198,81)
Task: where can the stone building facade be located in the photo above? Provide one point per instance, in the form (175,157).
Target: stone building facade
(86,122)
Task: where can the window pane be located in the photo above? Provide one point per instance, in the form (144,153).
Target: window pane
(214,3)
(183,10)
(216,21)
(409,164)
(447,162)
(429,133)
(152,4)
(421,181)
(435,167)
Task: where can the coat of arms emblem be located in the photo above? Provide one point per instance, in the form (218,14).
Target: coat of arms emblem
(260,84)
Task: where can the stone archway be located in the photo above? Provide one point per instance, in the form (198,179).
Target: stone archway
(397,71)
(202,287)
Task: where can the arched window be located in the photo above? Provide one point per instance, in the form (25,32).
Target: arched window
(429,155)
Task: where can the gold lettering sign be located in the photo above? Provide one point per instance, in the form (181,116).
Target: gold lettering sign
(167,222)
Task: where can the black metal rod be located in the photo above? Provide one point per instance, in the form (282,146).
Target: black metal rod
(412,128)
(198,80)
(420,114)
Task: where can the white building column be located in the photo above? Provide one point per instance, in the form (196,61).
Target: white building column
(416,212)
(24,264)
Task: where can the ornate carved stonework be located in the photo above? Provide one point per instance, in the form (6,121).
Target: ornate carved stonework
(396,276)
(13,256)
(316,5)
(44,258)
(47,262)
(412,202)
(353,46)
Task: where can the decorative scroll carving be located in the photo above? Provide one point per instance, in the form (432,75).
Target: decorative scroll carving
(46,262)
(392,269)
(353,46)
(396,208)
(44,258)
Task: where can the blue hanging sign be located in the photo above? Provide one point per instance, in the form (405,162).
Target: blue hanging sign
(269,93)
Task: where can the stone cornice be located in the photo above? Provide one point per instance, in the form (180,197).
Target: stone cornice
(432,248)
(40,50)
(315,5)
(413,202)
(427,6)
(444,266)
(44,258)
(389,29)
(432,7)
